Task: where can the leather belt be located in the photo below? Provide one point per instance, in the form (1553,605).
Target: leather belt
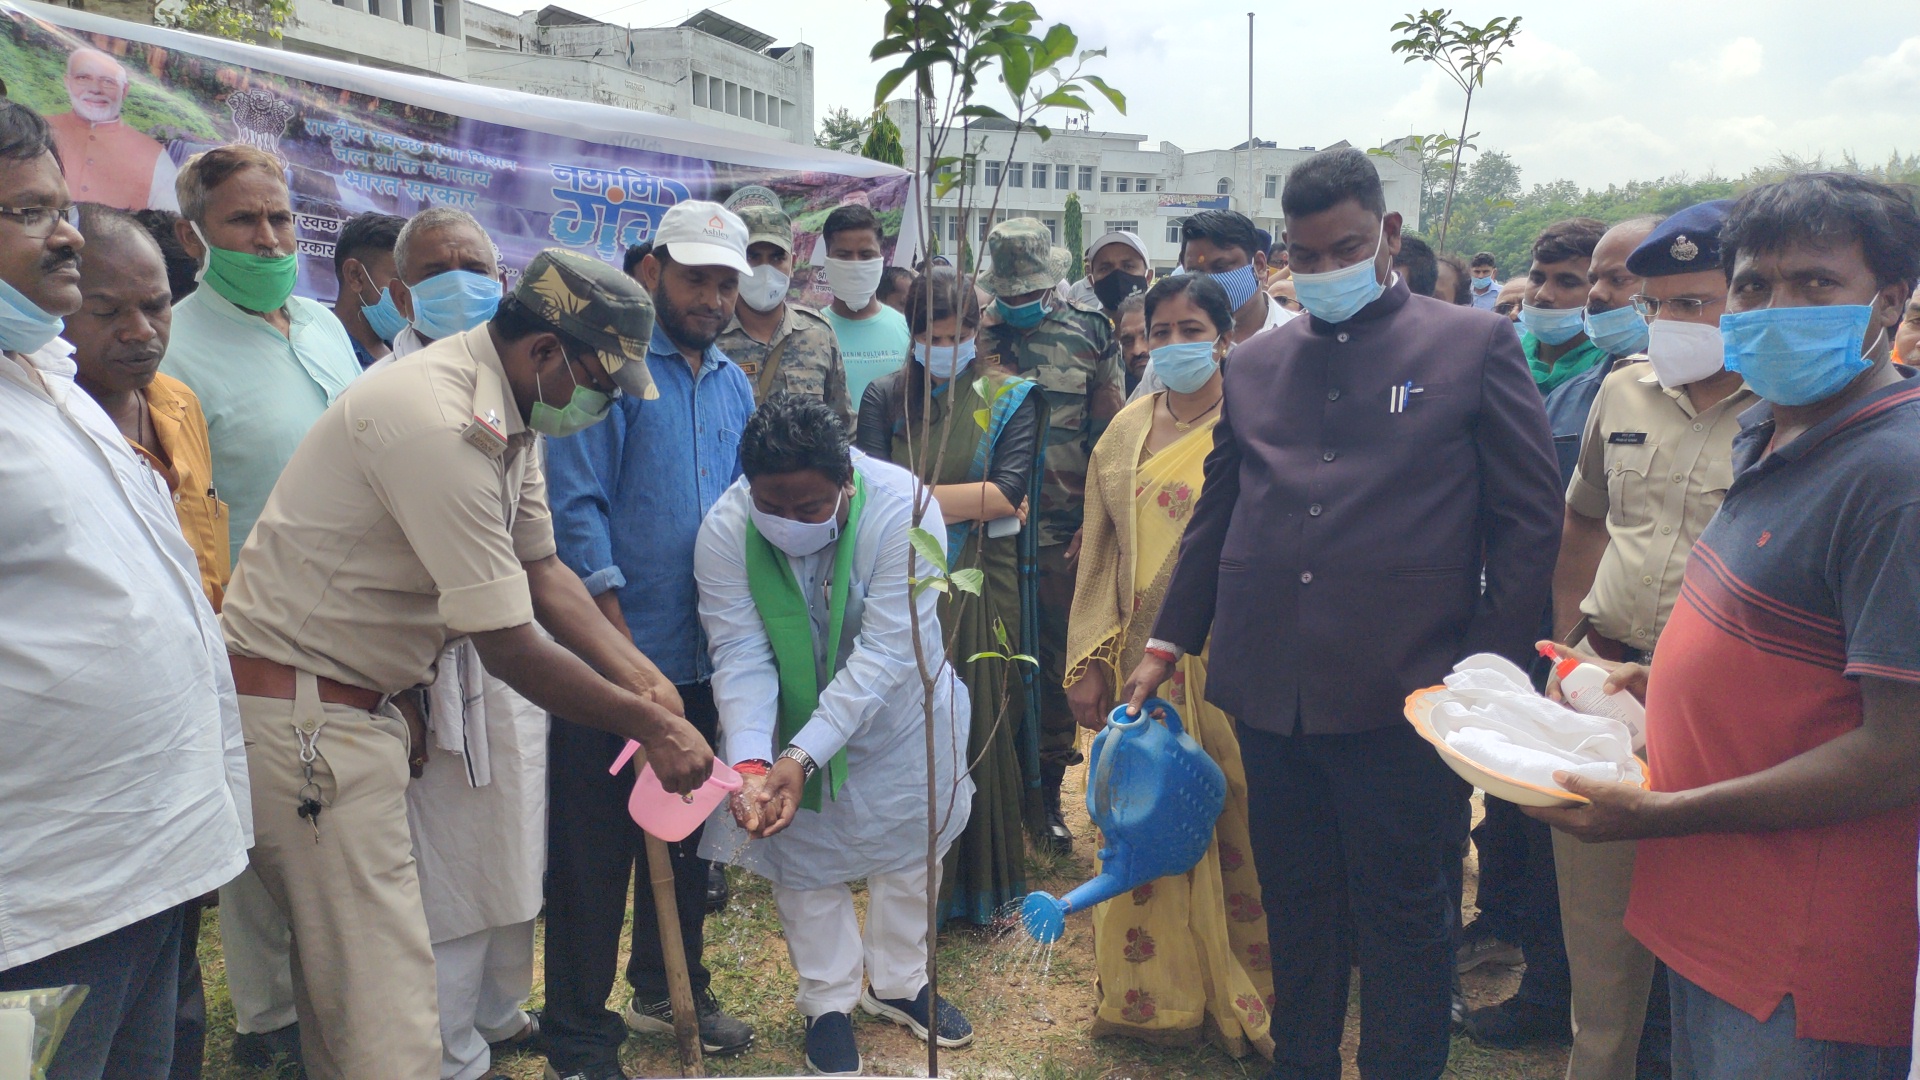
(255,677)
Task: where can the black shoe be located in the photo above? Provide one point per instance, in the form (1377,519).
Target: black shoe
(1058,839)
(1459,1012)
(831,1050)
(717,890)
(591,1072)
(1513,1024)
(720,1035)
(270,1049)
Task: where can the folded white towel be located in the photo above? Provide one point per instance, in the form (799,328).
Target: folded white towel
(1490,714)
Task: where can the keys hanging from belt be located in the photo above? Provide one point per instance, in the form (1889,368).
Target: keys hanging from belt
(309,794)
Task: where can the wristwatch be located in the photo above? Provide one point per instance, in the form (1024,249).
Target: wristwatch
(803,759)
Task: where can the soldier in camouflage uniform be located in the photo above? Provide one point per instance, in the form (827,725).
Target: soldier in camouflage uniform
(805,357)
(1032,330)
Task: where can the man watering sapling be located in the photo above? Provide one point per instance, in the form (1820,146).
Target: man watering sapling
(805,587)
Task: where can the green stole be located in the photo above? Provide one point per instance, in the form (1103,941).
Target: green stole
(783,609)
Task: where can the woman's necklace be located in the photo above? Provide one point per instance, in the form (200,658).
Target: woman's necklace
(1187,425)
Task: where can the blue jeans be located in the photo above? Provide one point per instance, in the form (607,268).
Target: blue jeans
(1713,1040)
(124,1029)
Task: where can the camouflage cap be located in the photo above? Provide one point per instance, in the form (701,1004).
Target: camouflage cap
(767,224)
(1021,254)
(598,305)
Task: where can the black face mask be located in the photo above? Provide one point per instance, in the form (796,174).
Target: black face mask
(1117,286)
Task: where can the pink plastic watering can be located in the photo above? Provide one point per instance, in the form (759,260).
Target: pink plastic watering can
(666,815)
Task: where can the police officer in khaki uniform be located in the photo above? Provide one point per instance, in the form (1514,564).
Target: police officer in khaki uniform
(414,511)
(781,346)
(1032,331)
(1656,460)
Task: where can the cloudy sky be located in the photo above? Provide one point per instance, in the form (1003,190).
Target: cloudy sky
(1597,93)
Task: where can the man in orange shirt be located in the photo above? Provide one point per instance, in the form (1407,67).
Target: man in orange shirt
(118,337)
(106,161)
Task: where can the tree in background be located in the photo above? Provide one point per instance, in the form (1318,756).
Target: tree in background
(1075,236)
(233,20)
(883,140)
(841,130)
(1463,52)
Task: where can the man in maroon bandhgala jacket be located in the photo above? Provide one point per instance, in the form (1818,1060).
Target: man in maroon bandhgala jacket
(1382,500)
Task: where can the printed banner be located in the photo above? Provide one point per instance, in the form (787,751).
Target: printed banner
(129,103)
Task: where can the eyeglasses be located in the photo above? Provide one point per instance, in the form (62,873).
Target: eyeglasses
(38,222)
(1679,307)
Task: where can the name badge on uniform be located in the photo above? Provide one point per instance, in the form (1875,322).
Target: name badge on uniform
(1627,438)
(484,434)
(1402,396)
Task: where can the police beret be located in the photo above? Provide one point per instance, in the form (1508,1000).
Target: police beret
(1686,243)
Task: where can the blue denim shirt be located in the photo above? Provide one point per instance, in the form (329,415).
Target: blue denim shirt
(1567,409)
(629,493)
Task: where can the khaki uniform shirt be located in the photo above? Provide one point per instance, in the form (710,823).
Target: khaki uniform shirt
(1656,470)
(810,364)
(1072,355)
(400,522)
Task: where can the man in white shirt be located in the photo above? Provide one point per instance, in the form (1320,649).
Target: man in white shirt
(808,606)
(124,781)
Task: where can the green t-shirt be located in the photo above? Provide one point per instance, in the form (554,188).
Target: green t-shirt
(870,347)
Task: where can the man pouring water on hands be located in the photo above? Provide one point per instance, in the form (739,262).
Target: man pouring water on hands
(805,569)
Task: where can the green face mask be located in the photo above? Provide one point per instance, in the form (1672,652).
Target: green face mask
(584,409)
(252,282)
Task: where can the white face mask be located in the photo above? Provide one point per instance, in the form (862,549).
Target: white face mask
(854,281)
(798,538)
(1684,352)
(764,288)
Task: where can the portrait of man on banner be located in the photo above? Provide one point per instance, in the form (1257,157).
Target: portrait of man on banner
(107,161)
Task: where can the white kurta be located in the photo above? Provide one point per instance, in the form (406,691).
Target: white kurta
(873,707)
(479,812)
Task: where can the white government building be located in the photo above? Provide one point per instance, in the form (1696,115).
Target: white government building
(1124,186)
(708,69)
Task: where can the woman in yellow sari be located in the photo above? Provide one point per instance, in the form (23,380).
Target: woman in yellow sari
(1182,958)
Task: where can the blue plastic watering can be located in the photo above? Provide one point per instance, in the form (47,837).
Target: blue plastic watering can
(1155,795)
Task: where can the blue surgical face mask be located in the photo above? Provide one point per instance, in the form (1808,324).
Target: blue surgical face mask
(1023,316)
(1553,326)
(1482,284)
(1338,295)
(24,327)
(945,361)
(1797,355)
(1239,285)
(453,303)
(1618,332)
(1185,366)
(383,318)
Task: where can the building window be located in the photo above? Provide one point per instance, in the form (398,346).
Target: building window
(1016,174)
(439,16)
(373,7)
(973,170)
(699,89)
(760,106)
(1223,187)
(1273,187)
(1039,174)
(1123,184)
(1063,176)
(1053,228)
(983,228)
(1124,226)
(1086,177)
(406,12)
(773,111)
(732,99)
(1106,182)
(1173,230)
(1159,184)
(993,174)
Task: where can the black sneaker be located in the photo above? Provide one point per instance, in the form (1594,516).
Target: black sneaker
(1058,837)
(953,1028)
(270,1049)
(720,1035)
(591,1072)
(831,1050)
(1514,1024)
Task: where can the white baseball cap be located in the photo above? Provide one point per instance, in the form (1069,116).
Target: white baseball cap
(703,234)
(1118,237)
